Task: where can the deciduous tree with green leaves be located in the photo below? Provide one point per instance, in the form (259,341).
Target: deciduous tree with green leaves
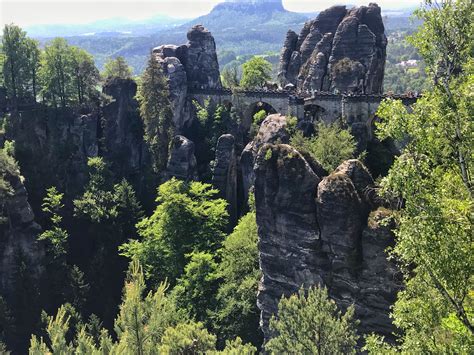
(188,218)
(432,180)
(331,146)
(67,74)
(21,61)
(117,68)
(196,289)
(255,73)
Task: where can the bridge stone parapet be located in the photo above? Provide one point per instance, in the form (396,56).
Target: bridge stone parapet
(317,106)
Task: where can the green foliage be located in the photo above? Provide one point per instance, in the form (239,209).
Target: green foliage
(188,338)
(432,178)
(237,313)
(196,289)
(78,288)
(188,218)
(143,318)
(310,323)
(400,79)
(155,110)
(147,323)
(106,215)
(56,329)
(8,168)
(445,40)
(255,73)
(7,325)
(230,76)
(58,340)
(67,74)
(97,203)
(330,147)
(237,347)
(257,120)
(213,121)
(117,68)
(101,201)
(56,236)
(344,67)
(21,61)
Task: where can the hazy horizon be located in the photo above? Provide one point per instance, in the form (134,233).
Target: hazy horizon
(39,12)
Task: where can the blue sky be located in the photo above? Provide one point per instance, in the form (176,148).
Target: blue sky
(29,12)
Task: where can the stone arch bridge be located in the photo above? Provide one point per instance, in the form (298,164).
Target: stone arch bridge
(356,110)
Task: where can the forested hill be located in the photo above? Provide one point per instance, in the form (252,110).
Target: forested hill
(243,27)
(249,27)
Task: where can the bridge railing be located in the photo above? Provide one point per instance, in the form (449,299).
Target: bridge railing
(300,96)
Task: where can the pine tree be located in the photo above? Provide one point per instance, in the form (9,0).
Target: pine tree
(237,313)
(155,109)
(310,323)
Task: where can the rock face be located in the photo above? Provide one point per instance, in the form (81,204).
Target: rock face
(182,162)
(318,231)
(341,50)
(201,62)
(53,147)
(124,147)
(18,237)
(272,130)
(289,240)
(225,175)
(194,66)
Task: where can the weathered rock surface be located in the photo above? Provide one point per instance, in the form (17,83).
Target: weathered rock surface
(285,187)
(341,50)
(18,237)
(124,146)
(201,62)
(53,147)
(315,231)
(272,130)
(182,162)
(225,175)
(190,66)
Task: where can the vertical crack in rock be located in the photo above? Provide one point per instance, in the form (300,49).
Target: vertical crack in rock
(341,50)
(315,231)
(224,177)
(190,66)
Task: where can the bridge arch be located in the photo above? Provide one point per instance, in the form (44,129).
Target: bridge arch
(314,113)
(254,108)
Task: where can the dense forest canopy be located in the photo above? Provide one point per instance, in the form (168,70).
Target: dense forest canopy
(146,263)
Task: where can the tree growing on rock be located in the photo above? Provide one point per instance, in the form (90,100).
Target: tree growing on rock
(331,146)
(155,109)
(67,74)
(117,68)
(21,62)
